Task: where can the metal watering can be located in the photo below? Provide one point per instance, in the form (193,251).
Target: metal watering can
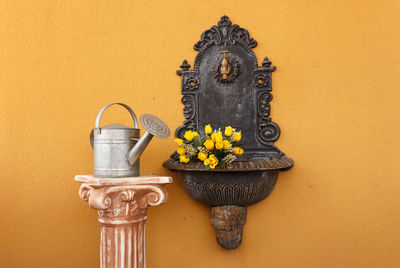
(117,148)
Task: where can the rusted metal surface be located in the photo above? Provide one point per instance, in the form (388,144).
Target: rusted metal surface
(228,222)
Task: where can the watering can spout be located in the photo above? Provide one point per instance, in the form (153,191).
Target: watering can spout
(154,127)
(139,148)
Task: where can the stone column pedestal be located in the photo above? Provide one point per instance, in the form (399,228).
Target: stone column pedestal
(122,208)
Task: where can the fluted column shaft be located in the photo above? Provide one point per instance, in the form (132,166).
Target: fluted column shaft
(123,245)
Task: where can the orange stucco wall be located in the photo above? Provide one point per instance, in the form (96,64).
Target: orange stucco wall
(336,99)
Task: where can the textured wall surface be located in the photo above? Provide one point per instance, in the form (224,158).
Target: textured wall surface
(336,99)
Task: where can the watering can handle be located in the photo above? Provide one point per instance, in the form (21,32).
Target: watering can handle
(135,121)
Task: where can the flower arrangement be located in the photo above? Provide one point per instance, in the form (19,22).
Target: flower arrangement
(213,149)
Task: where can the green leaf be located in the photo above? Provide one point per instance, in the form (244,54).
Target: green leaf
(207,167)
(222,164)
(197,141)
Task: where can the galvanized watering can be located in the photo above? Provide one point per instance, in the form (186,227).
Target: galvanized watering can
(117,148)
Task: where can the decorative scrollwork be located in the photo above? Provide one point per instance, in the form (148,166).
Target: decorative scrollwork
(188,109)
(154,198)
(209,37)
(107,201)
(224,22)
(84,192)
(264,108)
(191,83)
(225,33)
(127,196)
(262,80)
(122,202)
(268,131)
(97,198)
(189,102)
(241,35)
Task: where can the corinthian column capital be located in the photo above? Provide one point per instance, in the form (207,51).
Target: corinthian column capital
(124,203)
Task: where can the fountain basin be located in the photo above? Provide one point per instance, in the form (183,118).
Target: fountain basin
(230,190)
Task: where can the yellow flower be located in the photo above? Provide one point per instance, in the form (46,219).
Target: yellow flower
(228,131)
(208,129)
(181,150)
(226,144)
(209,144)
(178,141)
(218,136)
(219,145)
(184,159)
(237,136)
(202,156)
(195,134)
(238,150)
(212,161)
(189,135)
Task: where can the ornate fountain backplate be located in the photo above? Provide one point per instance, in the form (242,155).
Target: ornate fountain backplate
(227,87)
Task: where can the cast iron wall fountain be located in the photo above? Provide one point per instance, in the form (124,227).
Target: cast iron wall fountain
(227,87)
